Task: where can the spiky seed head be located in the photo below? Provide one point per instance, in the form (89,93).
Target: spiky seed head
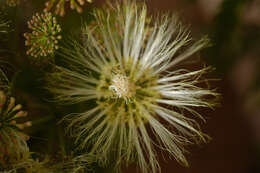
(45,35)
(59,5)
(126,69)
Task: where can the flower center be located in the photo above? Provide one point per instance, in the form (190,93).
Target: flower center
(122,86)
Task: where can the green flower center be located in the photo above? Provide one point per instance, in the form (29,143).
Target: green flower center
(127,90)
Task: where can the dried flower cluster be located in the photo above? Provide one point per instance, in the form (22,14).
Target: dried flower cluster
(60,5)
(43,40)
(12,140)
(126,69)
(12,3)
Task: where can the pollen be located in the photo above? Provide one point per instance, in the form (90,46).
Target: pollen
(122,87)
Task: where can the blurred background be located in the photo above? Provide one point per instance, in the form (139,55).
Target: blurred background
(234,29)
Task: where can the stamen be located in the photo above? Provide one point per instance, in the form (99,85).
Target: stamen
(122,87)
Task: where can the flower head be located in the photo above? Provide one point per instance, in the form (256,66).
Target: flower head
(43,40)
(126,71)
(60,5)
(12,140)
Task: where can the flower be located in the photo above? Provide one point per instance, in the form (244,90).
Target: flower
(60,5)
(125,71)
(43,40)
(12,140)
(12,3)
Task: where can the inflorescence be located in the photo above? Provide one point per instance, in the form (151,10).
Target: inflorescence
(126,68)
(12,140)
(43,40)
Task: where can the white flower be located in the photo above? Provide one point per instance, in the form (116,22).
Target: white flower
(123,71)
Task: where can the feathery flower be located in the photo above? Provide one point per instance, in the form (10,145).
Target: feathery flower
(60,5)
(12,141)
(43,40)
(123,71)
(12,3)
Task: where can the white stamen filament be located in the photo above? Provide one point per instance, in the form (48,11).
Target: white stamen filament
(121,86)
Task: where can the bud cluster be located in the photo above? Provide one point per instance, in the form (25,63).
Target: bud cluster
(60,5)
(43,40)
(9,113)
(12,140)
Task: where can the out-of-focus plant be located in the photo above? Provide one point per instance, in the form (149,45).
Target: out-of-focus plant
(30,164)
(12,3)
(59,5)
(4,24)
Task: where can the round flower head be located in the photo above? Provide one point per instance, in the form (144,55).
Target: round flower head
(12,141)
(123,71)
(12,3)
(60,5)
(43,40)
